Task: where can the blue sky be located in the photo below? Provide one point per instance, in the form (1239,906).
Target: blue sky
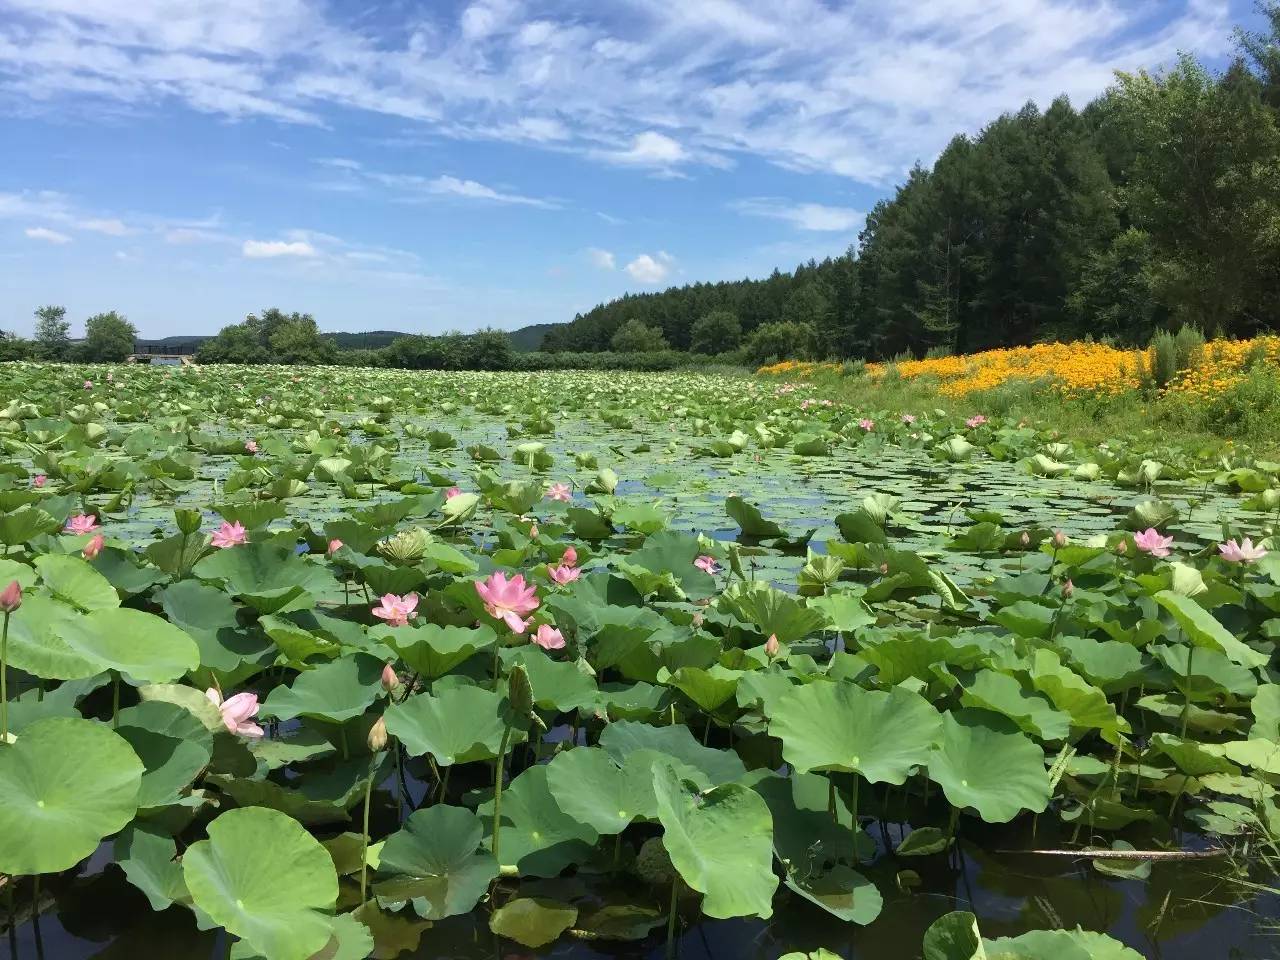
(430,166)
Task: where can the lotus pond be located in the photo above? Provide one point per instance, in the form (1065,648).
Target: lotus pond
(337,664)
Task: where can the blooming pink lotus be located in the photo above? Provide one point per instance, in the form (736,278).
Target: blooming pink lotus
(706,564)
(334,546)
(569,558)
(563,575)
(1243,552)
(452,492)
(81,523)
(548,637)
(559,491)
(39,480)
(397,611)
(93,547)
(975,421)
(251,446)
(1150,541)
(229,535)
(508,600)
(867,425)
(908,418)
(237,712)
(88,384)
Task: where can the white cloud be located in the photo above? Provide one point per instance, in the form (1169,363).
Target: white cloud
(601,258)
(453,186)
(856,89)
(111,227)
(805,216)
(44,233)
(350,175)
(647,269)
(261,249)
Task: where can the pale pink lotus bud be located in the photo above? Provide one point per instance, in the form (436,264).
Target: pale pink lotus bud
(11,597)
(93,547)
(1068,589)
(378,735)
(1059,538)
(1026,539)
(1122,547)
(771,646)
(334,546)
(884,569)
(390,680)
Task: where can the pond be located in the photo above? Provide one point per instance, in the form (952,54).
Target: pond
(889,559)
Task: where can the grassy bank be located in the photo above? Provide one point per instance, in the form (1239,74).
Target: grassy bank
(1209,397)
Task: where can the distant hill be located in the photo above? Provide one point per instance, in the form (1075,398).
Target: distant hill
(524,340)
(529,339)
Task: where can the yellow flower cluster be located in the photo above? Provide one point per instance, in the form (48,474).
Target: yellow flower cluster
(1073,369)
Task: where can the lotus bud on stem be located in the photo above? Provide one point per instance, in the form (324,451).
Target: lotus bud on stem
(10,600)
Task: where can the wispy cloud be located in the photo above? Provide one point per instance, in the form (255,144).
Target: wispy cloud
(805,216)
(350,174)
(49,236)
(269,249)
(662,86)
(602,259)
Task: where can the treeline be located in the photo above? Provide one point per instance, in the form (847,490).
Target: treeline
(1154,207)
(108,338)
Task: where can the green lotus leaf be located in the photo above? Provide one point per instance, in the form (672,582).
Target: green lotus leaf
(538,837)
(435,861)
(839,726)
(623,738)
(983,763)
(533,921)
(618,921)
(1072,694)
(721,842)
(750,520)
(455,725)
(1059,945)
(1203,629)
(337,691)
(806,838)
(772,611)
(841,891)
(171,764)
(266,575)
(64,785)
(709,689)
(266,880)
(74,581)
(150,860)
(325,795)
(557,684)
(1031,711)
(590,787)
(1199,759)
(209,617)
(49,640)
(954,936)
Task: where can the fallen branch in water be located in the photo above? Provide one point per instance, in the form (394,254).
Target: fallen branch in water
(1124,854)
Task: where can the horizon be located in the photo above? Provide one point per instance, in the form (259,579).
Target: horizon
(494,163)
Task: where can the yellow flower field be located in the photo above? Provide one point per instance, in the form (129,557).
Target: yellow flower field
(1072,369)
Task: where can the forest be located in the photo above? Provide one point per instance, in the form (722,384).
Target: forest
(1154,206)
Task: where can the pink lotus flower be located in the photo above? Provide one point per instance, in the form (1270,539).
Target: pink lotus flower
(334,546)
(548,637)
(1068,589)
(771,646)
(563,575)
(1059,538)
(397,611)
(1150,541)
(559,491)
(229,535)
(11,597)
(93,547)
(39,480)
(569,558)
(908,418)
(390,679)
(706,564)
(867,425)
(508,600)
(975,421)
(81,523)
(251,446)
(88,384)
(452,492)
(237,712)
(1242,552)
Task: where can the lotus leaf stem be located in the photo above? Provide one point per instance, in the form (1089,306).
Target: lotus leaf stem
(497,791)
